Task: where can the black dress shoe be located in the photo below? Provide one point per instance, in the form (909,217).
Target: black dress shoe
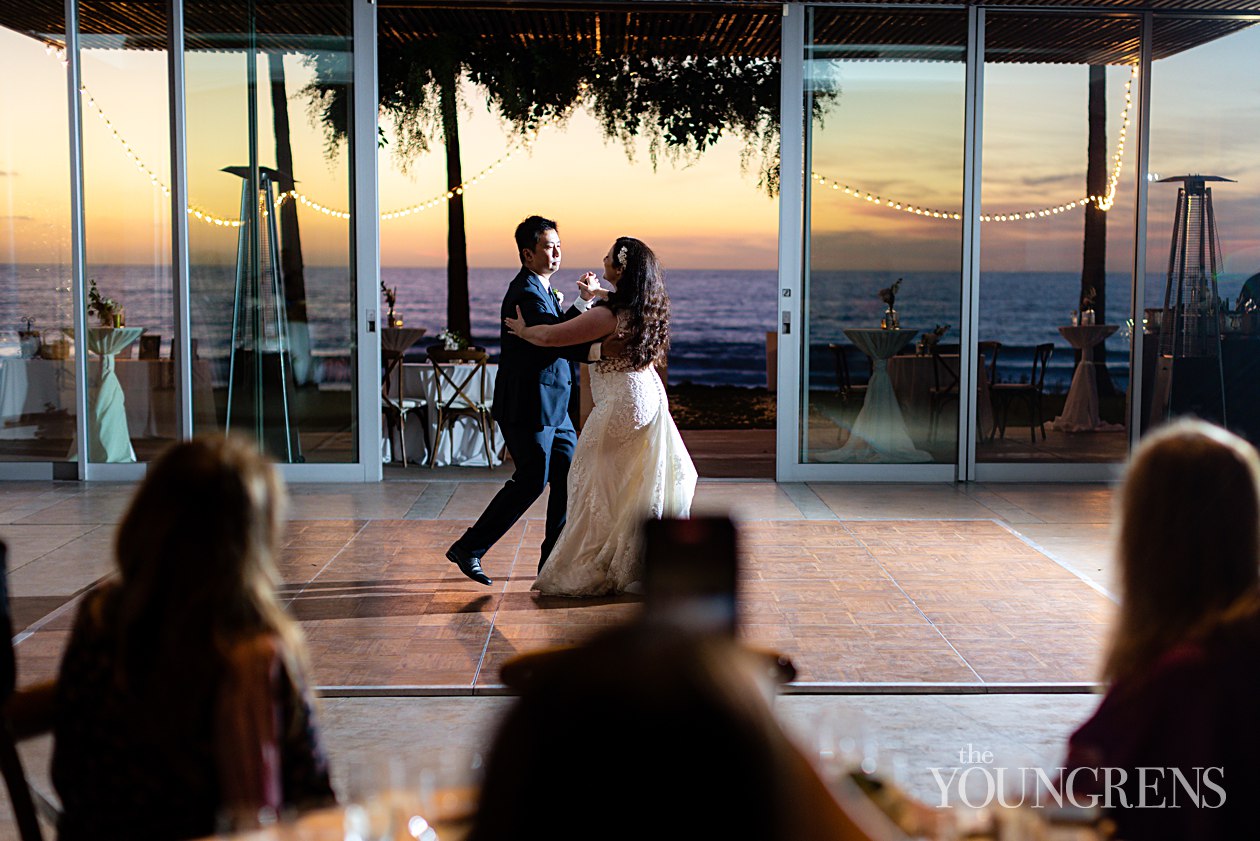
(469,565)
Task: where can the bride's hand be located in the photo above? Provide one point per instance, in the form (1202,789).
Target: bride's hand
(516,326)
(588,287)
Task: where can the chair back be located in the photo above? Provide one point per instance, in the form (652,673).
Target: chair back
(454,382)
(990,351)
(1041,359)
(843,382)
(944,375)
(844,376)
(150,347)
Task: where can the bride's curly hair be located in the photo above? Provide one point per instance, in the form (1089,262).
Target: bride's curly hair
(641,294)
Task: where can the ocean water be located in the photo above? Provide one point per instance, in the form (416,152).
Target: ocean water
(718,323)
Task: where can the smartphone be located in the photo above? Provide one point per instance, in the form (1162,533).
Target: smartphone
(690,573)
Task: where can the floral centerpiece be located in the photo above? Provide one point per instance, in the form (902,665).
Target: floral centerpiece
(107,311)
(1087,305)
(452,340)
(28,339)
(889,296)
(391,298)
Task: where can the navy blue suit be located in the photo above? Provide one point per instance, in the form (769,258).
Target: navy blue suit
(531,406)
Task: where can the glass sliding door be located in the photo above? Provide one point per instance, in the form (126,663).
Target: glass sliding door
(1201,346)
(1057,237)
(127,232)
(37,375)
(272,280)
(881,304)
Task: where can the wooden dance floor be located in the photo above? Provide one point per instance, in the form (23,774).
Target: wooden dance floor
(911,604)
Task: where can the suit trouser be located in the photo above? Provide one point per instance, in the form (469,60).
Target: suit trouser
(541,456)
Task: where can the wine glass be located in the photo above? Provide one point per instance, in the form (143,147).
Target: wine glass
(369,812)
(845,743)
(449,784)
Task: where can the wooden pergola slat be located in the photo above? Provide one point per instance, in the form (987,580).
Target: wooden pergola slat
(749,28)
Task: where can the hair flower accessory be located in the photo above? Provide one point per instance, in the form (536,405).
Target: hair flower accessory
(621,256)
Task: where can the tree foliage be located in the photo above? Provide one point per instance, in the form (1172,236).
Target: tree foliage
(679,105)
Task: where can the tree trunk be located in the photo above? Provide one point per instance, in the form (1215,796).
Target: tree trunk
(458,317)
(1094,261)
(291,266)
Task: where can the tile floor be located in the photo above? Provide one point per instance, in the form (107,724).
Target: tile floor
(943,615)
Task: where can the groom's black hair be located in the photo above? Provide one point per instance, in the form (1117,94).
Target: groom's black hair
(531,230)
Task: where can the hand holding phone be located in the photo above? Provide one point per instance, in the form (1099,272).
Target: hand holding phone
(690,572)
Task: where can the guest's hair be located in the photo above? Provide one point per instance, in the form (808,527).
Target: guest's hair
(643,732)
(531,230)
(641,294)
(196,557)
(1189,542)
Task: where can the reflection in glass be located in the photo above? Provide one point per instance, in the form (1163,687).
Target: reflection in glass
(272,282)
(126,178)
(1201,346)
(884,236)
(37,380)
(1055,265)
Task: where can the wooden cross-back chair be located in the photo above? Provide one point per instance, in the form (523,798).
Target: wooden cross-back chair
(1030,393)
(454,399)
(844,380)
(944,388)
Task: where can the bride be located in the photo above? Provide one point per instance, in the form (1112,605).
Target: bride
(630,463)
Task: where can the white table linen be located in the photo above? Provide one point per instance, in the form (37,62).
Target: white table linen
(1080,412)
(109,439)
(914,377)
(31,388)
(462,443)
(879,433)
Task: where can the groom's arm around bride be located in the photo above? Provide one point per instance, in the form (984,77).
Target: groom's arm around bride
(531,402)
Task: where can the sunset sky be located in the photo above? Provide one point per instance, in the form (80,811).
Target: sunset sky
(896,129)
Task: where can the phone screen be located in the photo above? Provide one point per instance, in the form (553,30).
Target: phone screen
(690,571)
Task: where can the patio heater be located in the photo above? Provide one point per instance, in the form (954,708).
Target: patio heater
(260,371)
(1189,375)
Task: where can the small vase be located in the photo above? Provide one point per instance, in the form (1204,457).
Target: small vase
(889,321)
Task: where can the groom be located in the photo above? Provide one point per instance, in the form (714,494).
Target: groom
(531,402)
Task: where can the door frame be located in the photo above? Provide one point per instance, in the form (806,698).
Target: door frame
(793,332)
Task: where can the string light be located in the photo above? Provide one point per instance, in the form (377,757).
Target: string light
(209,218)
(1104,202)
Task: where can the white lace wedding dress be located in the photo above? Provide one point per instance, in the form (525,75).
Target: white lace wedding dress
(630,464)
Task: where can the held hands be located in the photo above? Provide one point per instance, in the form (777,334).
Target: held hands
(588,287)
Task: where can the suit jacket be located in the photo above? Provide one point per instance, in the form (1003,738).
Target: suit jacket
(533,385)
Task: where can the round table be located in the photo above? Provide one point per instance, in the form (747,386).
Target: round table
(109,439)
(879,433)
(1080,412)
